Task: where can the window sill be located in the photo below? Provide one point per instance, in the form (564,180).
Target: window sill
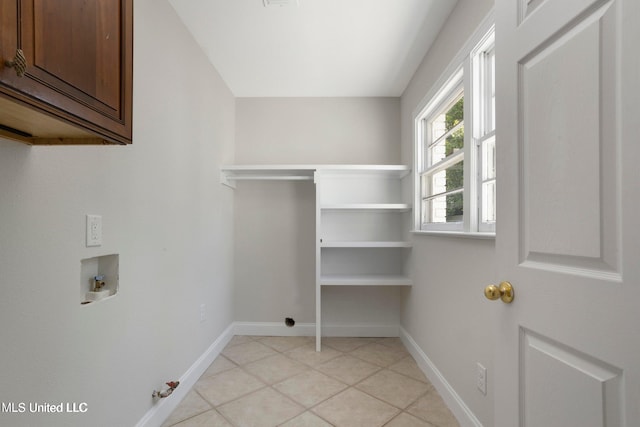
(463,234)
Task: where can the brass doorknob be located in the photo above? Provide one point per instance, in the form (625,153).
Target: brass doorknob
(19,63)
(504,291)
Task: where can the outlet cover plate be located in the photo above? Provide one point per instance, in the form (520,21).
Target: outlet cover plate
(94,230)
(481,378)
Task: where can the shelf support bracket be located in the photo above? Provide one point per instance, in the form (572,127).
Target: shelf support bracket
(224,180)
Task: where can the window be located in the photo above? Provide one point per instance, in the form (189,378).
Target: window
(483,70)
(455,147)
(442,176)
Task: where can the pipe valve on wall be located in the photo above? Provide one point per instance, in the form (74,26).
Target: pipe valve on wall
(162,394)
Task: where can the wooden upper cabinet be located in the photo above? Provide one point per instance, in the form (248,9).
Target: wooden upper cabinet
(77,87)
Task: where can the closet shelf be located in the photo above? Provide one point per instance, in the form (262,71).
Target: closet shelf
(231,173)
(365,280)
(365,244)
(367,207)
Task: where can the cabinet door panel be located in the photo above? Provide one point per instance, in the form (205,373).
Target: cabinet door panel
(75,49)
(79,61)
(9,39)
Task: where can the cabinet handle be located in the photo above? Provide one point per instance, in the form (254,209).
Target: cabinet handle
(19,63)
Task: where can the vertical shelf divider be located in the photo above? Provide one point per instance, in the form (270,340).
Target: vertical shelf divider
(318,182)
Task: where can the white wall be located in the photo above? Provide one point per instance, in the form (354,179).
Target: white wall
(445,311)
(163,211)
(275,232)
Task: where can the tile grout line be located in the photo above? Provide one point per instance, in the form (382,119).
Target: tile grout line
(314,368)
(348,386)
(380,369)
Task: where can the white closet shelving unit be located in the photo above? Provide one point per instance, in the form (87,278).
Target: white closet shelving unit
(362,222)
(362,225)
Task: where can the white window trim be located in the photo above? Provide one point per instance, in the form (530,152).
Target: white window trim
(480,132)
(461,63)
(453,85)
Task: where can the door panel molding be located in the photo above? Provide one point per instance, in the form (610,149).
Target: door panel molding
(551,372)
(526,8)
(568,143)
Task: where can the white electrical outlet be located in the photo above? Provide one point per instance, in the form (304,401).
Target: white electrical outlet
(94,230)
(203,312)
(481,378)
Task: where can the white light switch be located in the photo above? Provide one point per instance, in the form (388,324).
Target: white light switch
(94,230)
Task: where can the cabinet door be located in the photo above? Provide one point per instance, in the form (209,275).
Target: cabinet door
(79,61)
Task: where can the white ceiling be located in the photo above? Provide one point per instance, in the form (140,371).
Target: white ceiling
(316,48)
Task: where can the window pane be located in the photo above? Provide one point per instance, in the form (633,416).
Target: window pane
(454,176)
(453,117)
(451,124)
(436,152)
(488,159)
(489,201)
(438,127)
(488,186)
(446,208)
(455,114)
(490,90)
(443,181)
(445,147)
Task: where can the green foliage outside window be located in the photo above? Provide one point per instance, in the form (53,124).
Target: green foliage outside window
(455,177)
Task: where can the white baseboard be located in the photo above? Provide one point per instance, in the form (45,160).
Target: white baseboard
(164,407)
(460,410)
(274,329)
(278,329)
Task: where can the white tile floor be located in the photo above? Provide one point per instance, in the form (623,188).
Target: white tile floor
(283,381)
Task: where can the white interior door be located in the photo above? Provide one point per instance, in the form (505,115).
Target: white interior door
(568,239)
